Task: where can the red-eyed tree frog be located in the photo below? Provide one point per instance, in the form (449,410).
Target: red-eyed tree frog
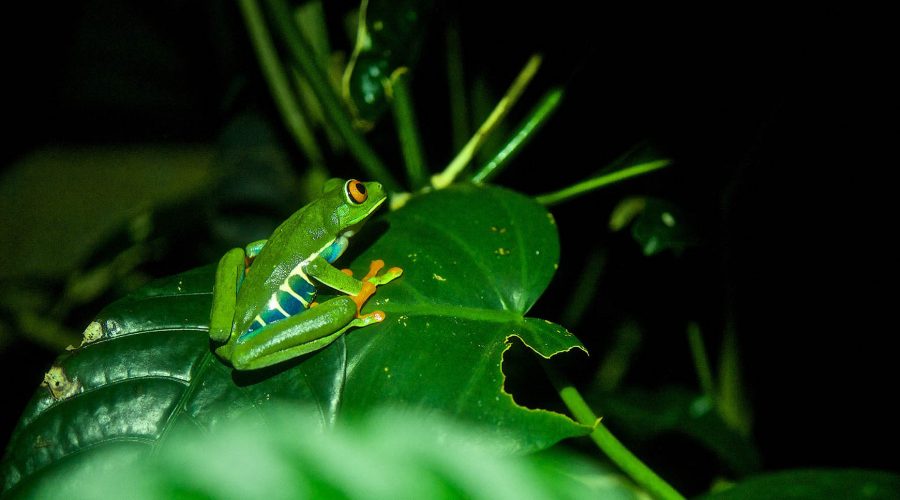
(263,305)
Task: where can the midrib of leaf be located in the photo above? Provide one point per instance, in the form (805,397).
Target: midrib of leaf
(450,311)
(523,264)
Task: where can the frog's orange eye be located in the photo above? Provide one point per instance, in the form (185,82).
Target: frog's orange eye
(357,191)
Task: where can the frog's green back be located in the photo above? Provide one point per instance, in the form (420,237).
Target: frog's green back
(300,238)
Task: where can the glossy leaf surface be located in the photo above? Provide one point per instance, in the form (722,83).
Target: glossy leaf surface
(475,259)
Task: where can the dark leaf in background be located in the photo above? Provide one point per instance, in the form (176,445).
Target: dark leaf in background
(391,39)
(815,484)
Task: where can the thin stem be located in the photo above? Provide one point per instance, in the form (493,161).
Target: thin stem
(524,132)
(632,465)
(46,331)
(585,289)
(612,447)
(337,115)
(463,158)
(615,364)
(459,105)
(701,361)
(408,131)
(277,79)
(599,182)
(732,401)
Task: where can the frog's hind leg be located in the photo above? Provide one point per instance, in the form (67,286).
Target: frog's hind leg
(291,337)
(229,275)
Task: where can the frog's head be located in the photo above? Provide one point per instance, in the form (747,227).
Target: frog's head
(354,201)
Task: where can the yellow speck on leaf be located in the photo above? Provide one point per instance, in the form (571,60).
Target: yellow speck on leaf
(92,333)
(438,277)
(501,251)
(59,384)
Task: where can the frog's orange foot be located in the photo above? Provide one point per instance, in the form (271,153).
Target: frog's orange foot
(369,282)
(387,276)
(348,272)
(368,289)
(374,267)
(373,317)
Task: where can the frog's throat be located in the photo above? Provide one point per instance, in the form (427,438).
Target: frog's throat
(355,228)
(343,239)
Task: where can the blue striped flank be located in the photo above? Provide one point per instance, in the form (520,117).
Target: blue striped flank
(272,315)
(282,302)
(302,287)
(289,303)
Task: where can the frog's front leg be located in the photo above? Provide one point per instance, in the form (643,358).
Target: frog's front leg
(343,281)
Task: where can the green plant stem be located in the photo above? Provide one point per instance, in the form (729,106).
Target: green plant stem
(732,400)
(408,132)
(701,361)
(512,95)
(277,79)
(459,105)
(334,111)
(615,364)
(585,289)
(524,132)
(612,447)
(45,331)
(599,182)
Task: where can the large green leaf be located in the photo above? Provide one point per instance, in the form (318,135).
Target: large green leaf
(475,260)
(815,484)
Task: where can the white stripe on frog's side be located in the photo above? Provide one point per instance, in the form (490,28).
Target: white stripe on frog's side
(275,306)
(287,289)
(298,270)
